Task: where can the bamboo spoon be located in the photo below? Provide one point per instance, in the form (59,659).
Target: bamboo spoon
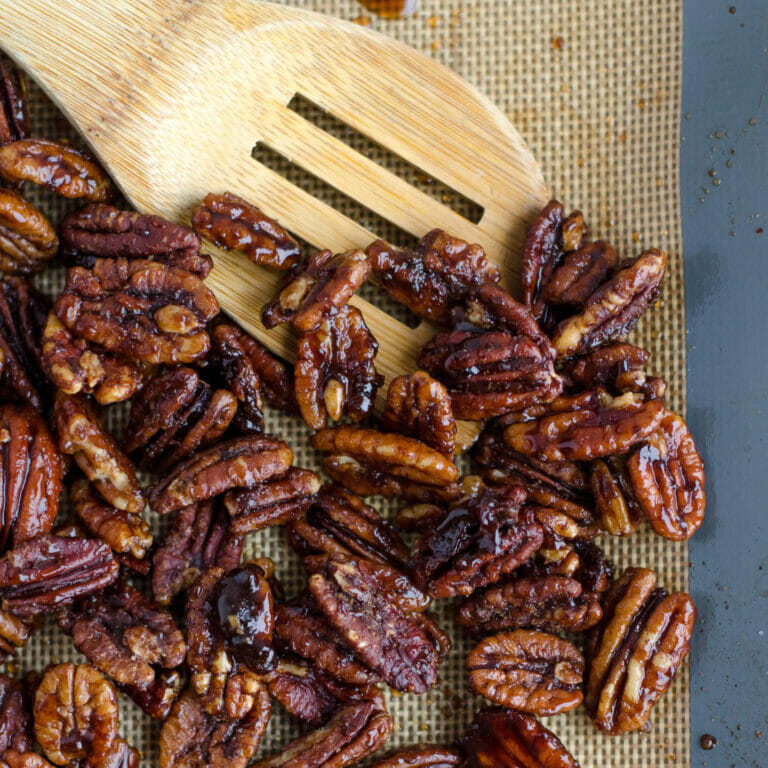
(173,95)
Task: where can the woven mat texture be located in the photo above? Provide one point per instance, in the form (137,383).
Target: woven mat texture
(594,87)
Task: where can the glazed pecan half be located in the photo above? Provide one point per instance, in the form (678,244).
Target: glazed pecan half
(636,651)
(422,756)
(14,117)
(233,224)
(435,276)
(317,288)
(302,689)
(28,241)
(15,720)
(335,371)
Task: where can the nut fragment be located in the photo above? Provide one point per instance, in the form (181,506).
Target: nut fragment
(27,239)
(233,224)
(302,689)
(335,371)
(422,756)
(615,500)
(13,759)
(15,721)
(75,715)
(14,117)
(14,633)
(82,436)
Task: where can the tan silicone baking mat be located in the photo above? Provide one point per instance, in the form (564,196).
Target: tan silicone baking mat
(594,87)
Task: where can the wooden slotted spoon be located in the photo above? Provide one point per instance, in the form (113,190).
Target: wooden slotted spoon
(173,95)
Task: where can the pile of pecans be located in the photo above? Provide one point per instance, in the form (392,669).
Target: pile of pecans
(577,442)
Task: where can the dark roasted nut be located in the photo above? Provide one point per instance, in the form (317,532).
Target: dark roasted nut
(233,224)
(68,171)
(390,642)
(527,670)
(357,730)
(479,540)
(301,689)
(582,272)
(419,406)
(238,463)
(615,501)
(99,230)
(27,239)
(125,532)
(611,312)
(317,288)
(15,720)
(198,540)
(435,276)
(82,436)
(422,756)
(335,371)
(502,737)
(368,462)
(75,715)
(14,633)
(76,366)
(636,651)
(192,738)
(488,373)
(174,415)
(31,473)
(138,309)
(14,118)
(667,476)
(584,427)
(276,501)
(46,573)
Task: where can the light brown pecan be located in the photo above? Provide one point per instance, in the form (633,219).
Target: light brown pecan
(434,277)
(422,756)
(234,224)
(241,462)
(317,288)
(15,720)
(276,501)
(667,476)
(193,738)
(14,117)
(75,715)
(527,670)
(14,633)
(584,427)
(636,651)
(82,436)
(138,309)
(68,171)
(581,273)
(99,230)
(615,501)
(420,406)
(611,312)
(27,239)
(503,737)
(174,415)
(335,371)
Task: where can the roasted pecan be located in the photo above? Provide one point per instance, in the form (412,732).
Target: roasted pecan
(14,118)
(74,365)
(233,224)
(636,651)
(138,309)
(193,738)
(419,406)
(488,373)
(389,641)
(503,737)
(14,759)
(335,371)
(229,624)
(125,532)
(15,720)
(68,171)
(27,239)
(581,273)
(422,756)
(584,427)
(301,688)
(667,476)
(75,715)
(435,276)
(99,230)
(31,473)
(197,540)
(527,670)
(242,462)
(611,312)
(46,573)
(317,288)
(369,462)
(96,453)
(276,501)
(478,540)
(14,633)
(615,501)
(175,414)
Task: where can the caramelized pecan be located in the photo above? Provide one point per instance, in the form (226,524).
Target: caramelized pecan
(14,633)
(615,501)
(13,759)
(422,756)
(233,224)
(14,117)
(15,720)
(435,276)
(317,288)
(27,239)
(581,273)
(301,688)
